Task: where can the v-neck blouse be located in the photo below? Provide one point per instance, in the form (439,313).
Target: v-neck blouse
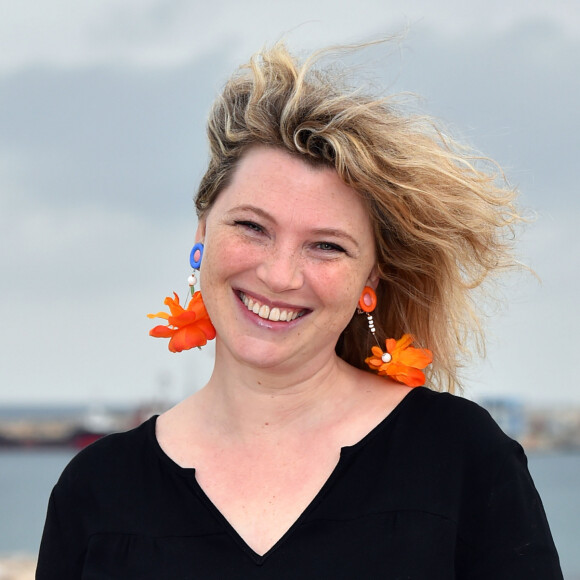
(436,491)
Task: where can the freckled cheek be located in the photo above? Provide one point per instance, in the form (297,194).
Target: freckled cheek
(222,260)
(339,296)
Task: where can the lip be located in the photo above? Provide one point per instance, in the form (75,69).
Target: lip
(271,304)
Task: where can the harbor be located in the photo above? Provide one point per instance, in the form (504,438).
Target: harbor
(37,443)
(537,428)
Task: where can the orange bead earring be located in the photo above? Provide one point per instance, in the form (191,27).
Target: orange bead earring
(367,303)
(368,300)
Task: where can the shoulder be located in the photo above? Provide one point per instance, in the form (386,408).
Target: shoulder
(442,421)
(112,455)
(446,404)
(451,456)
(452,413)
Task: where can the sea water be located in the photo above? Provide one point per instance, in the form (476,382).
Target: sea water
(27,477)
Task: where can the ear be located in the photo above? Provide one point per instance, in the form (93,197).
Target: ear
(373,279)
(200,231)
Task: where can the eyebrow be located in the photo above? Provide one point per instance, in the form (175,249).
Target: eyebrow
(253,209)
(331,232)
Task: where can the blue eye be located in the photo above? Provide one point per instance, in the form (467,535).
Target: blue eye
(250,225)
(328,247)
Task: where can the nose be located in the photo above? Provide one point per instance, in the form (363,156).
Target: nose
(281,270)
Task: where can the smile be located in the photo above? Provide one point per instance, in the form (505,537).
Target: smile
(264,311)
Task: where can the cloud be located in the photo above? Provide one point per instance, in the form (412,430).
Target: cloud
(162,33)
(132,139)
(533,342)
(512,94)
(102,143)
(75,292)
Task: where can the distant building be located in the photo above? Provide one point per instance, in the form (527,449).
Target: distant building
(508,413)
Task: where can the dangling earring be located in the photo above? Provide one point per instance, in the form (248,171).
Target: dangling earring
(190,326)
(404,368)
(367,303)
(195,260)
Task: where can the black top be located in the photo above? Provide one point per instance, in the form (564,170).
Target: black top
(436,491)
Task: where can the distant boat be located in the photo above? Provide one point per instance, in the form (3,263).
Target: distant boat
(56,433)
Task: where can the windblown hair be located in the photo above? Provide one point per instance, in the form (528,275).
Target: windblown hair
(443,218)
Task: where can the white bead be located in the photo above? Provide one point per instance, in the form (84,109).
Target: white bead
(192,280)
(386,358)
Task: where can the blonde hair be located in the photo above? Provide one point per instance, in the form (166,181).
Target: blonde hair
(443,218)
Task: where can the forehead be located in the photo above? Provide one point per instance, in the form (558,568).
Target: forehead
(285,185)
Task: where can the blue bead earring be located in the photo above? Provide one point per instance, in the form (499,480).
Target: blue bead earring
(195,261)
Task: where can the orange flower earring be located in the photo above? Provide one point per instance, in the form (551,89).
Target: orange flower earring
(190,326)
(400,361)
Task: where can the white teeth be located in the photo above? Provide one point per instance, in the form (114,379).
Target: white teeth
(264,311)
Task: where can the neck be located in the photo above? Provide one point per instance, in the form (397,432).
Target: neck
(243,402)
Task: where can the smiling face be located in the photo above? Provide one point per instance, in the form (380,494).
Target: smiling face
(288,250)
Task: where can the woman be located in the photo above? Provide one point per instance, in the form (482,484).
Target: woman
(333,231)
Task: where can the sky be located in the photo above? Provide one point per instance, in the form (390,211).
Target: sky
(102,144)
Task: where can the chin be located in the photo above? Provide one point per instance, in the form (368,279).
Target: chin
(263,358)
(253,352)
